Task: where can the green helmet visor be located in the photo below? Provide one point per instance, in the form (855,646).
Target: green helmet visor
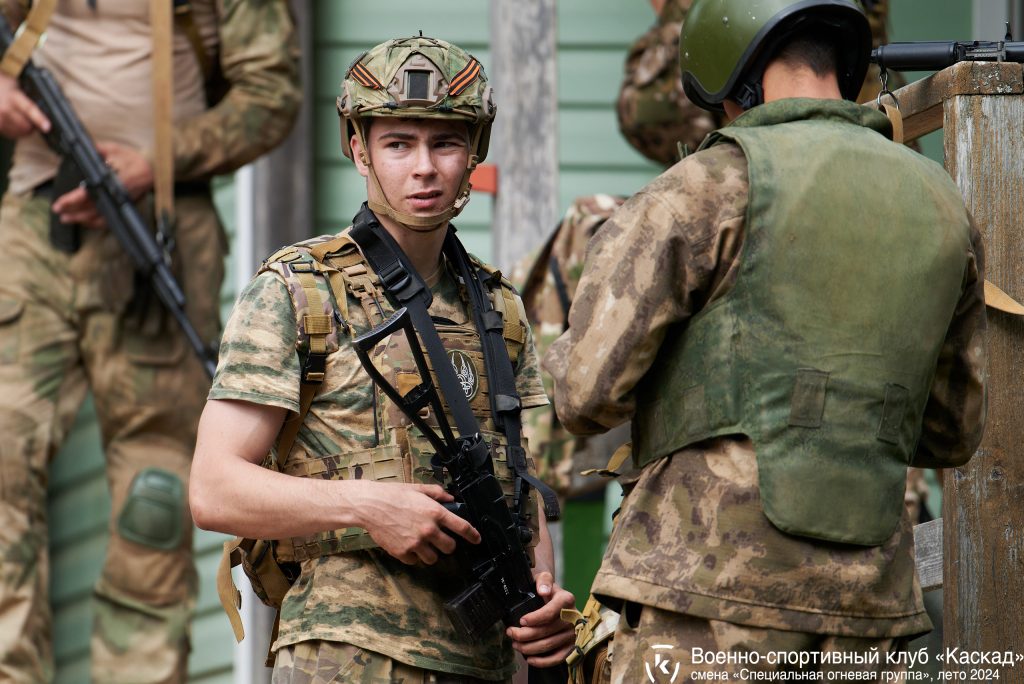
(725,45)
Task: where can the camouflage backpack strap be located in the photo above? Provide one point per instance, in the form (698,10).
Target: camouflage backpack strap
(507,302)
(308,281)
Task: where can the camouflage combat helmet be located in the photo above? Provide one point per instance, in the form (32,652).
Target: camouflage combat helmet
(417,78)
(725,45)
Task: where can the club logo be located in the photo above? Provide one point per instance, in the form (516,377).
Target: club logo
(660,668)
(466,370)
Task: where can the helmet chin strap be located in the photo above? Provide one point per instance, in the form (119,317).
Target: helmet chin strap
(419,224)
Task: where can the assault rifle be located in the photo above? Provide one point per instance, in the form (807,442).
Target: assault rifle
(934,56)
(501,585)
(69,139)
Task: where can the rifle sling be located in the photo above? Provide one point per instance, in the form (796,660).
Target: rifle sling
(28,35)
(506,406)
(162,27)
(401,282)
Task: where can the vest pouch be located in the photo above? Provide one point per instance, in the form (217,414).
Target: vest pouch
(381,464)
(269,579)
(851,501)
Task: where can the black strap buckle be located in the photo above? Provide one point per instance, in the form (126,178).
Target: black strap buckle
(314,368)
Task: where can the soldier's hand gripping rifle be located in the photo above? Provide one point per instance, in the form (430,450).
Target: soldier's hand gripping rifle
(500,583)
(69,139)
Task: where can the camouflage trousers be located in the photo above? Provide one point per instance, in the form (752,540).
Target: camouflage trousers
(319,662)
(652,645)
(65,328)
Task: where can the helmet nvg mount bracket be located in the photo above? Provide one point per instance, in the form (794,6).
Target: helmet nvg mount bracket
(417,78)
(725,45)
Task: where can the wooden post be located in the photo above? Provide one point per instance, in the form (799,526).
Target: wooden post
(283,179)
(524,138)
(982,501)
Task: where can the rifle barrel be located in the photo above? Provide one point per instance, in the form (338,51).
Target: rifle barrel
(936,55)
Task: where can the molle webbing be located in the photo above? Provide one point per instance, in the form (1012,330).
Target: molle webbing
(327,271)
(381,464)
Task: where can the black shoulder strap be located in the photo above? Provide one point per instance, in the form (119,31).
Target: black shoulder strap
(560,289)
(402,282)
(506,406)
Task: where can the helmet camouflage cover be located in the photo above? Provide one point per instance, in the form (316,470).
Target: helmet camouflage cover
(417,78)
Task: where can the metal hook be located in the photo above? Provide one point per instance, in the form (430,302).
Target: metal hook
(883,76)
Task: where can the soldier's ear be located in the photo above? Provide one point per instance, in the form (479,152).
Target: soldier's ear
(359,156)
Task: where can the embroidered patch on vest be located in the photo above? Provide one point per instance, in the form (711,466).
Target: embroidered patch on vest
(466,370)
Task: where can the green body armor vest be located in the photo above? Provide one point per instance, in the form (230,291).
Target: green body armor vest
(824,350)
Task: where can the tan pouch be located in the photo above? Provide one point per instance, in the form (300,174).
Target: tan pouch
(268,578)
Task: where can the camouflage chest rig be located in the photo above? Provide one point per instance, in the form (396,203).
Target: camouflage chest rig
(324,277)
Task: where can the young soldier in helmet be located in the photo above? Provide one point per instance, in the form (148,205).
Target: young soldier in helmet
(355,501)
(784,349)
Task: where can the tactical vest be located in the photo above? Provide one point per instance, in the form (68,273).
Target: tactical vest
(824,350)
(320,275)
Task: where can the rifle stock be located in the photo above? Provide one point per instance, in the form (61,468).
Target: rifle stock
(68,138)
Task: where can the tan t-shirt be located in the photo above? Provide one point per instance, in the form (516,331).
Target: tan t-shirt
(102,59)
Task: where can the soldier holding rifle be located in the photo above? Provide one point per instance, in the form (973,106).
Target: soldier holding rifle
(75,315)
(378,556)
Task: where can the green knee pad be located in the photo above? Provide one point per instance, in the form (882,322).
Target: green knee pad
(153,511)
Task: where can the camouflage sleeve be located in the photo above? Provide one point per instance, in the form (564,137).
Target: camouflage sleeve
(954,416)
(528,379)
(661,257)
(259,59)
(258,362)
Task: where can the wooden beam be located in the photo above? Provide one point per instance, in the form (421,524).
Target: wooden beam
(984,530)
(921,102)
(524,142)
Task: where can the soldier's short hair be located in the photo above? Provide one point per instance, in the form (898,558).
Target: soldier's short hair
(813,47)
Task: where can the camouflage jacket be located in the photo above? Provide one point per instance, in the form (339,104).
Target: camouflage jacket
(655,116)
(259,58)
(366,597)
(692,537)
(547,280)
